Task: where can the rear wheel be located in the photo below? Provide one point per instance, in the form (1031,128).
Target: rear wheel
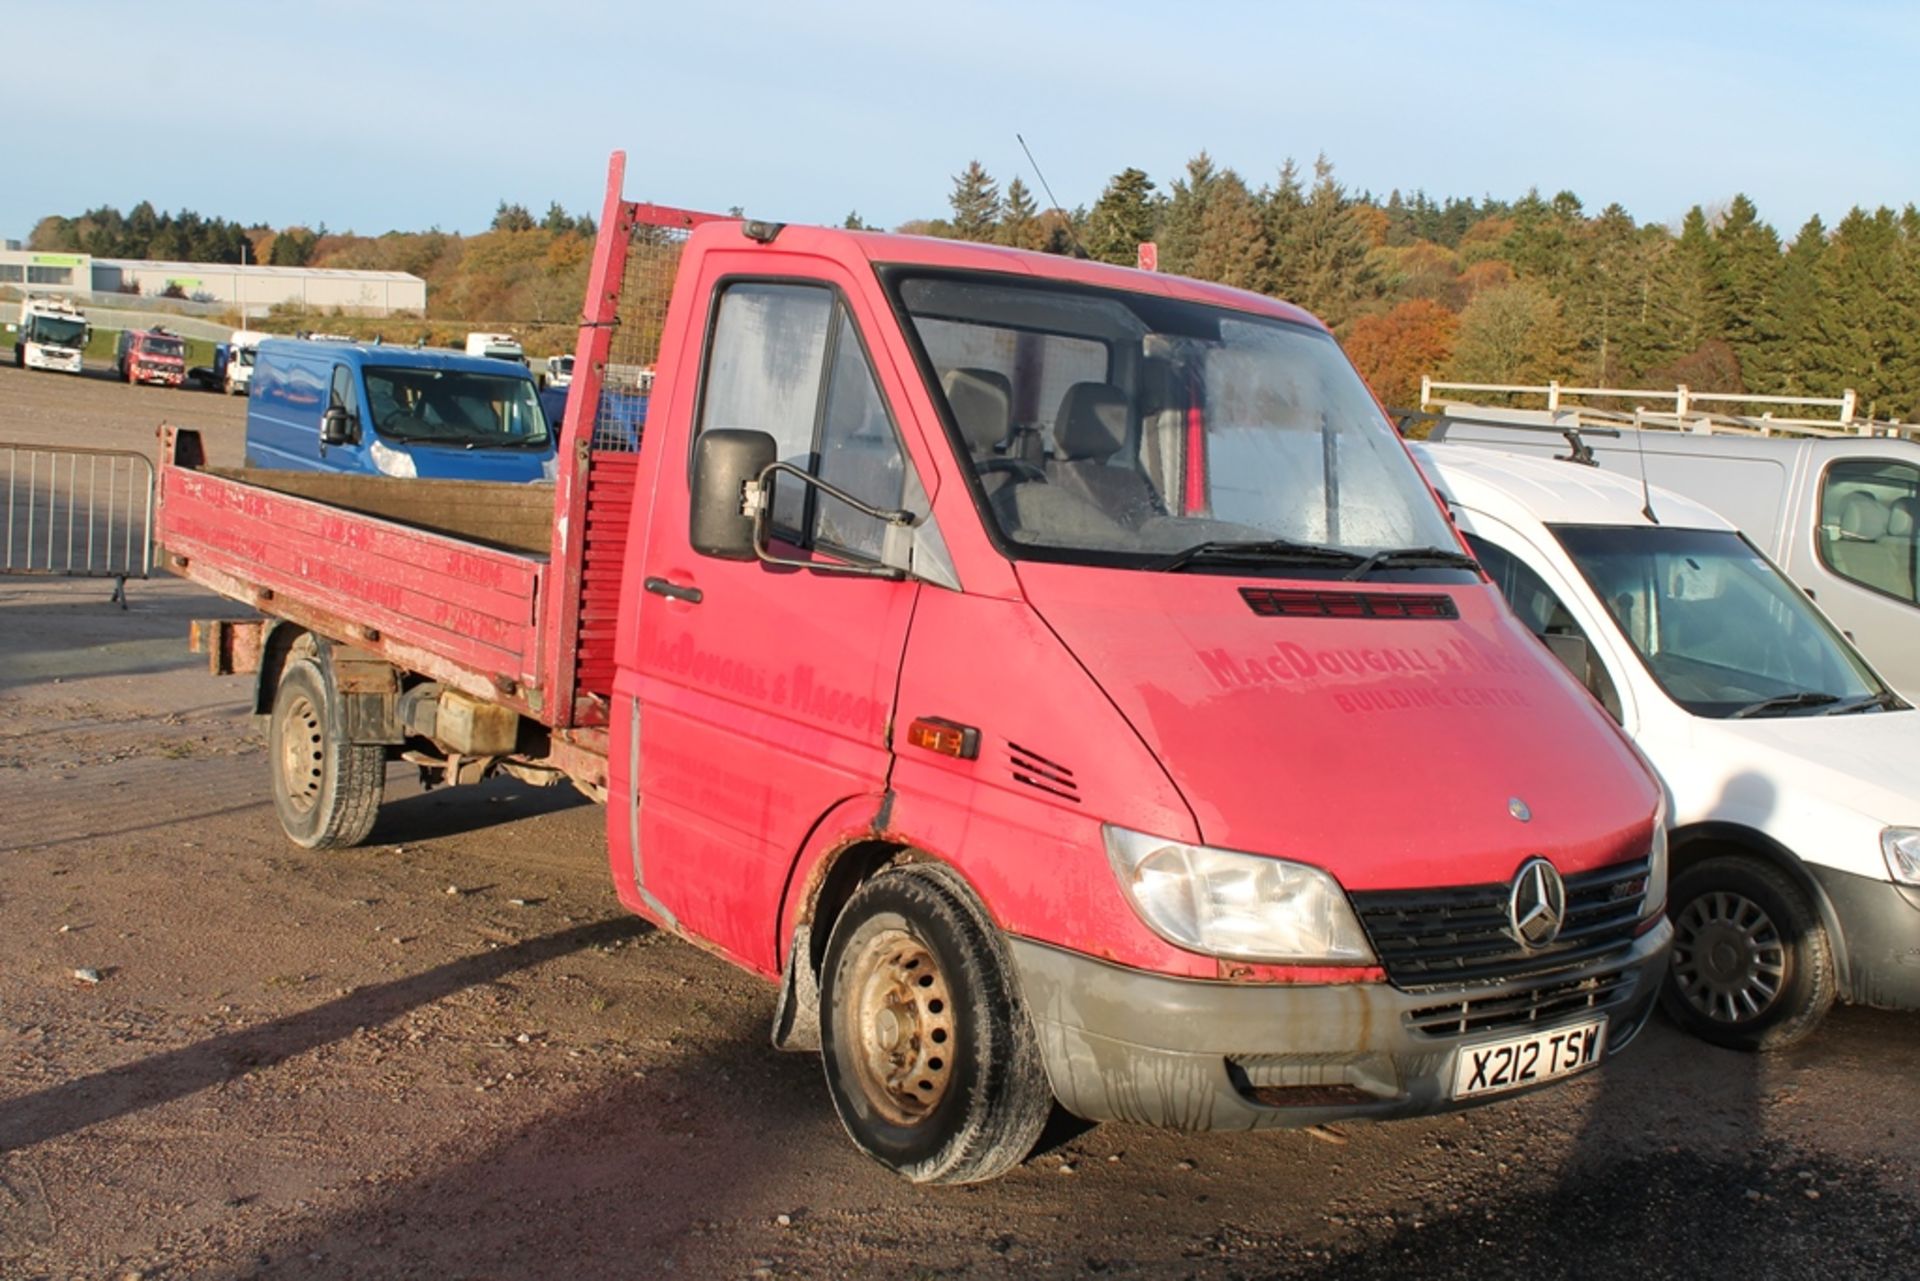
(929,1056)
(1752,968)
(326,791)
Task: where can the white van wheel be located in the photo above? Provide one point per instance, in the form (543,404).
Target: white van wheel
(1752,967)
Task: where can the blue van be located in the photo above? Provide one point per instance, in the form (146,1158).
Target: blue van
(395,411)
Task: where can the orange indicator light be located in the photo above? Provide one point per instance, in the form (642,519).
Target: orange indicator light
(945,737)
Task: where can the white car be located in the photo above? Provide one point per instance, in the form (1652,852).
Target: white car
(1792,770)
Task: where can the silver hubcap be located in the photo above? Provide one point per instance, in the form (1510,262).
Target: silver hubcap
(302,753)
(1729,960)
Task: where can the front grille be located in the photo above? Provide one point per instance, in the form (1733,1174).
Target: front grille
(1542,1004)
(1301,602)
(1432,938)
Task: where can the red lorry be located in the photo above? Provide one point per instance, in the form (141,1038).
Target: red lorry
(1056,678)
(151,356)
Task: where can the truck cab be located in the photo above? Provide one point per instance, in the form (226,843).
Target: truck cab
(51,335)
(151,356)
(496,347)
(1790,766)
(394,411)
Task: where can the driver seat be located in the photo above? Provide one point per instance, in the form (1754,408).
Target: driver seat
(1089,431)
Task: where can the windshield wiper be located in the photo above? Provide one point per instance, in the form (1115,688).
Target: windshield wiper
(1269,551)
(1886,700)
(1414,558)
(1785,702)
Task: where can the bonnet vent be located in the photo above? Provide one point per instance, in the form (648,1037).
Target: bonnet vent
(1037,771)
(1304,602)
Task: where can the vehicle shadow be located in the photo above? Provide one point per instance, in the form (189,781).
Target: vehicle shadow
(161,1078)
(411,814)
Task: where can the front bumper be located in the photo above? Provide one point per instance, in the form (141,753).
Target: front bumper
(1125,1045)
(1880,931)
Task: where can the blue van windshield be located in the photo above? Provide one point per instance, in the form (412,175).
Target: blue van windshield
(455,408)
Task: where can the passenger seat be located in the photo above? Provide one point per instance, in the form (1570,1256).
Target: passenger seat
(1088,432)
(982,405)
(1861,551)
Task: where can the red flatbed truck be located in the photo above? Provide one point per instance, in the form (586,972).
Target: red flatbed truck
(1003,654)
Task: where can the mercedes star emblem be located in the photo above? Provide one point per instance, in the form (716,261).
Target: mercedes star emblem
(1538,905)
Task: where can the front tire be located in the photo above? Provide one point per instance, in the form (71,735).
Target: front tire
(327,792)
(1752,967)
(929,1056)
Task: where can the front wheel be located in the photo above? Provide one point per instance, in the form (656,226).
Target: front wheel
(326,791)
(1752,968)
(929,1057)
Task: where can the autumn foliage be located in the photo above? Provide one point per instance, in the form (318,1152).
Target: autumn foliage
(1392,350)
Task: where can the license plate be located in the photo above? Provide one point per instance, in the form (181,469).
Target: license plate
(1494,1066)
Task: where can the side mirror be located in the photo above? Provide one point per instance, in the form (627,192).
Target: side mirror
(725,461)
(336,427)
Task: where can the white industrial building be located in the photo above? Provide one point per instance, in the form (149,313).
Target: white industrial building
(256,288)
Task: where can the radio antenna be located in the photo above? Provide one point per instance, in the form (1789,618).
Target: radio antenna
(1079,250)
(1640,446)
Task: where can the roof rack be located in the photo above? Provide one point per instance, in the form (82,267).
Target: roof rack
(1681,409)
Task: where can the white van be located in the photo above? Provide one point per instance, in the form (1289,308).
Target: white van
(1792,770)
(1841,515)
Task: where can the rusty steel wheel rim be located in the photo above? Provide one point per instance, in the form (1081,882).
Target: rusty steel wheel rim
(903,1027)
(302,753)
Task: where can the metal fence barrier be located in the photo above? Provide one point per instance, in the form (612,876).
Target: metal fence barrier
(78,513)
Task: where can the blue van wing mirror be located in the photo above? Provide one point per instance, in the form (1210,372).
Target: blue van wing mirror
(337,427)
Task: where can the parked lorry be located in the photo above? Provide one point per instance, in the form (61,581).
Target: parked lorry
(1056,678)
(232,367)
(1792,770)
(151,356)
(51,334)
(496,347)
(559,370)
(1840,513)
(350,408)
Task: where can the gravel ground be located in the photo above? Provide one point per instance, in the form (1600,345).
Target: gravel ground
(450,1054)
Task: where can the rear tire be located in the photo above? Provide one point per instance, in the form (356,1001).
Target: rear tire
(1752,967)
(929,1057)
(326,791)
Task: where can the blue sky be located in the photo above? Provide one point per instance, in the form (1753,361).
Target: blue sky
(408,114)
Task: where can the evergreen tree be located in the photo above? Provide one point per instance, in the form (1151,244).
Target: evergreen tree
(1232,244)
(1020,226)
(1683,307)
(558,220)
(1181,231)
(1123,218)
(1785,328)
(1746,262)
(512,217)
(1284,207)
(976,203)
(1325,258)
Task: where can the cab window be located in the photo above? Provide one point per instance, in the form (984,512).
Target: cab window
(1869,518)
(1547,616)
(787,359)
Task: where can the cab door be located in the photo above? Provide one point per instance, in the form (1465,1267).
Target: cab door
(765,694)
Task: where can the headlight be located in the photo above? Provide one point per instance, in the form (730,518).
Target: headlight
(1246,906)
(1656,900)
(1901,846)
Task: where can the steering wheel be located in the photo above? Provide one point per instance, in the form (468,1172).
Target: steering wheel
(1016,466)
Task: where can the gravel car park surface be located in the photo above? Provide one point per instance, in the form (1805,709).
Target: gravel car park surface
(450,1053)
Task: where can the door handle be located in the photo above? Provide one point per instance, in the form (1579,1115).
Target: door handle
(673,590)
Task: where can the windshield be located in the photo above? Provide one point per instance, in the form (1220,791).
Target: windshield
(1717,626)
(55,331)
(163,347)
(455,408)
(243,355)
(1110,427)
(566,364)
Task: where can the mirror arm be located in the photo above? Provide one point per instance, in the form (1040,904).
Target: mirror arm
(756,501)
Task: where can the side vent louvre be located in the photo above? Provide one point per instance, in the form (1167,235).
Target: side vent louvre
(1299,602)
(1037,771)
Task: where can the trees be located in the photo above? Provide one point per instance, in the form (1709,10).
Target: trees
(1513,334)
(1393,350)
(976,203)
(1323,260)
(510,217)
(1127,213)
(1020,226)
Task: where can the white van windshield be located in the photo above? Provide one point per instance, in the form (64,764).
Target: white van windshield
(1110,427)
(455,408)
(1719,628)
